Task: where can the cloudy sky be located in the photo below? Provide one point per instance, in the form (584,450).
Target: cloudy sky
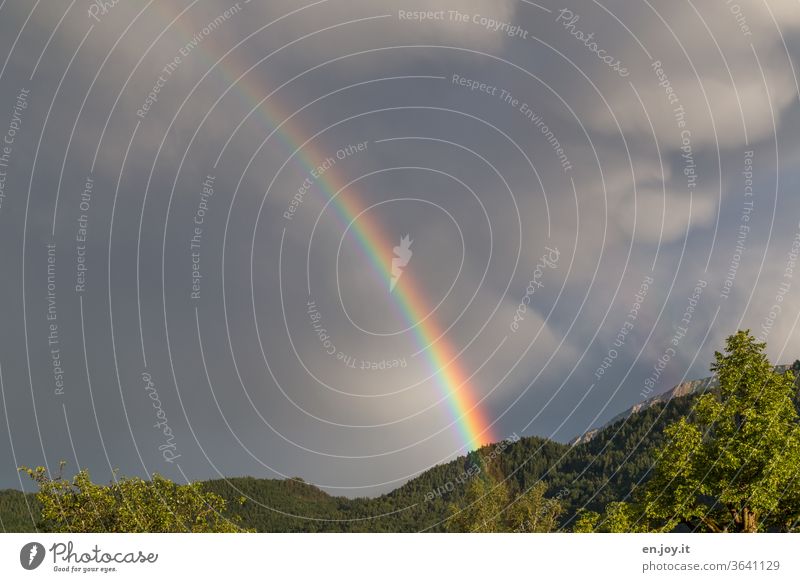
(196,252)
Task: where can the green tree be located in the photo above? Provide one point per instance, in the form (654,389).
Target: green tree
(482,507)
(619,517)
(489,506)
(732,466)
(532,512)
(127,505)
(586,521)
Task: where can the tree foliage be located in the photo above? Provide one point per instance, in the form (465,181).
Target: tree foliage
(127,505)
(733,464)
(619,517)
(489,506)
(482,507)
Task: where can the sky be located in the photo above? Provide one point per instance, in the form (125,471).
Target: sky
(348,241)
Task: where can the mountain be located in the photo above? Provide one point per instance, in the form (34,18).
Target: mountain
(683,389)
(15,515)
(595,469)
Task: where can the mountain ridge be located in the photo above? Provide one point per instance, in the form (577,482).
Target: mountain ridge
(590,474)
(684,388)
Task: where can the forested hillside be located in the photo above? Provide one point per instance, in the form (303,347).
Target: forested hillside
(591,474)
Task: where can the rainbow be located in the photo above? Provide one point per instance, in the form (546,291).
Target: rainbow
(441,357)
